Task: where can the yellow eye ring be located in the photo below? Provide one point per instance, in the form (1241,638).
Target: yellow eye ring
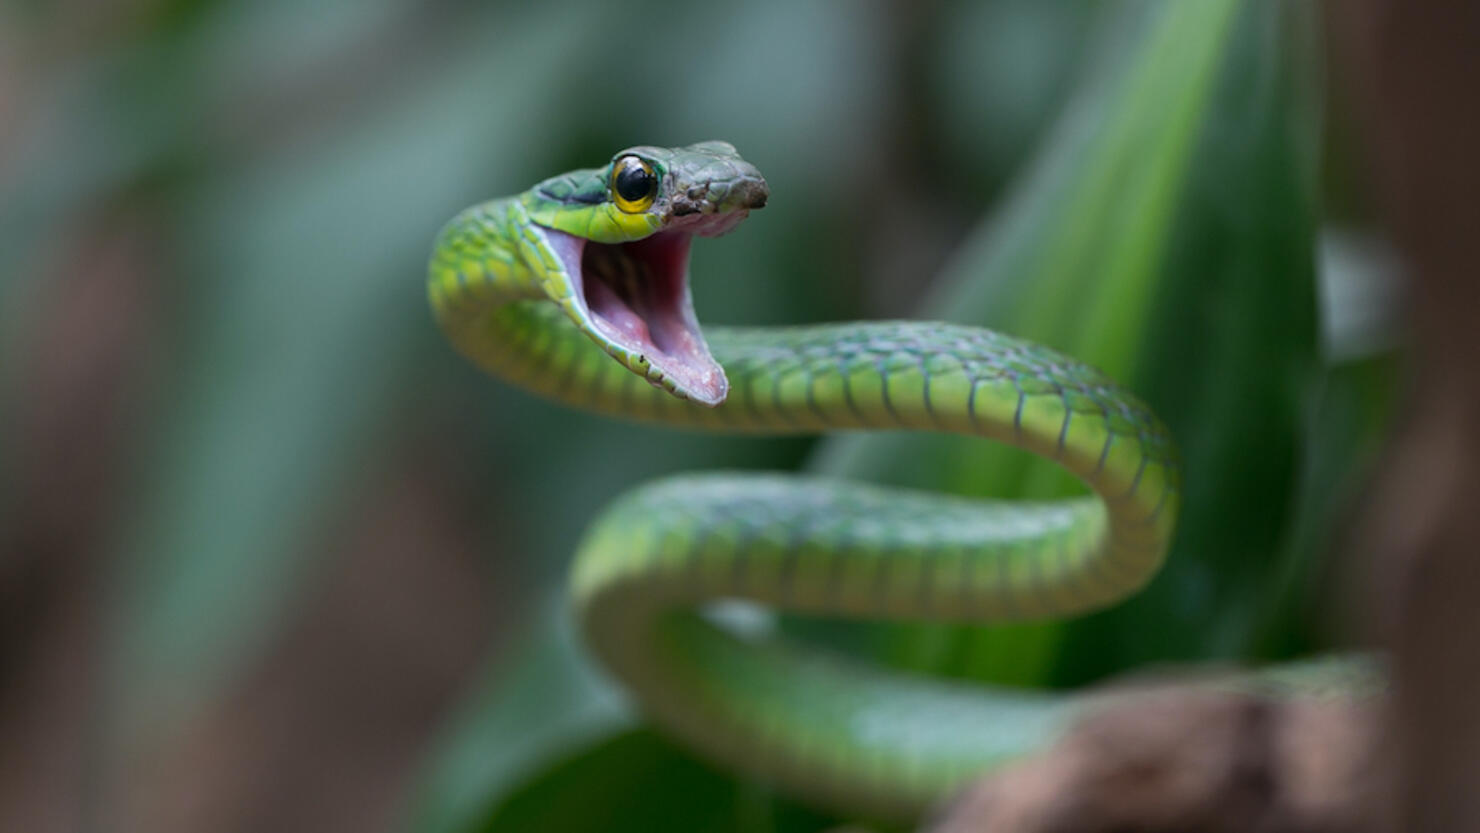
(634,186)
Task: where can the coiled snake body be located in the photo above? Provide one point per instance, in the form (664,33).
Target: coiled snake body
(578,290)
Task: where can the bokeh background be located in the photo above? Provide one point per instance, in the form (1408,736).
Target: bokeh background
(273,557)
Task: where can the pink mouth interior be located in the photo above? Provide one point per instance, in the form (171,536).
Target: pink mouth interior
(637,296)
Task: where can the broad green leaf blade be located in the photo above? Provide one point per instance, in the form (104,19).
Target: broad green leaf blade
(1163,235)
(1229,358)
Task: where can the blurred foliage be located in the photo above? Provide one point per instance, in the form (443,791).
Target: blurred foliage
(1166,235)
(289,165)
(610,786)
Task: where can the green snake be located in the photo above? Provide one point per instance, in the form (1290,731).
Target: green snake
(578,290)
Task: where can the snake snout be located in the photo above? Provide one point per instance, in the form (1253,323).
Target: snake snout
(722,197)
(753,193)
(739,193)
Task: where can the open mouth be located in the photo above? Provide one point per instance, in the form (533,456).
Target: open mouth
(636,296)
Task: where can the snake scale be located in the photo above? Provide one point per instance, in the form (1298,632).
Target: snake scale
(578,290)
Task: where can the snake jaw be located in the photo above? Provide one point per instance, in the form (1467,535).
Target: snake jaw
(633,299)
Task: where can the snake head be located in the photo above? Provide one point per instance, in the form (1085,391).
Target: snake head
(620,236)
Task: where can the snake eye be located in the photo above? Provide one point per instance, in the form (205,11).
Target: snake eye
(634,186)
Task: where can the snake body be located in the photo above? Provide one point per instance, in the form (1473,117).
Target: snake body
(577,290)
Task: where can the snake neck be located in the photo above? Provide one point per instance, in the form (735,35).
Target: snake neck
(488,287)
(479,264)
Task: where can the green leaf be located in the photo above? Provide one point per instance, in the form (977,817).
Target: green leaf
(1164,235)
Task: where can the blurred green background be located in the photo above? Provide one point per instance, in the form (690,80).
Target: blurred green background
(272,556)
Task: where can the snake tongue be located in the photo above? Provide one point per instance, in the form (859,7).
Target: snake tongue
(636,303)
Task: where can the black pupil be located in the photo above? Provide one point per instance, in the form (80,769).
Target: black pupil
(633,181)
